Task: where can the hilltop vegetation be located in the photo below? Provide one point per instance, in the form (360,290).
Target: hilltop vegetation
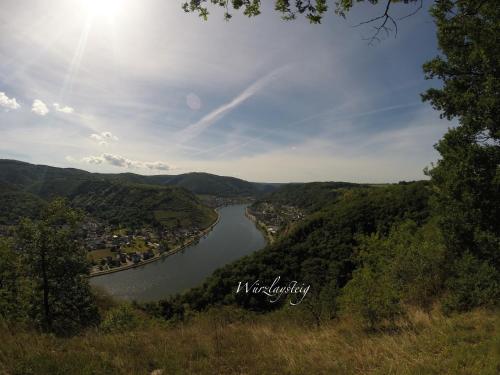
(309,196)
(136,205)
(15,204)
(48,181)
(26,188)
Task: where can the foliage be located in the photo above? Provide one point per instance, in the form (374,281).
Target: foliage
(15,204)
(318,251)
(138,205)
(472,283)
(372,296)
(124,199)
(56,267)
(120,319)
(14,287)
(406,267)
(310,196)
(49,182)
(466,179)
(313,10)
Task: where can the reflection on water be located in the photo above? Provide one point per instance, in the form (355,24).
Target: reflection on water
(233,237)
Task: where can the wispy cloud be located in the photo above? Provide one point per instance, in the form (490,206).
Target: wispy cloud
(8,103)
(206,121)
(123,162)
(39,108)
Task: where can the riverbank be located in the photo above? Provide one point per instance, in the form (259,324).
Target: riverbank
(261,227)
(157,257)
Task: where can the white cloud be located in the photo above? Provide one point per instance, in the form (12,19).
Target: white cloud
(63,109)
(108,135)
(158,165)
(118,161)
(93,159)
(39,108)
(69,158)
(123,162)
(104,138)
(8,103)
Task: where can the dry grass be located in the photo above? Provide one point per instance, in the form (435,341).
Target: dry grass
(219,343)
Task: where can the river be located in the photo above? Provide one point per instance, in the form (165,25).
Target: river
(233,237)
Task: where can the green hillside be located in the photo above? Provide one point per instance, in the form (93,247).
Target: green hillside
(15,204)
(25,188)
(319,250)
(47,181)
(308,196)
(133,205)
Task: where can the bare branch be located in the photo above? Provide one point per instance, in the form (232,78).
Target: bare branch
(414,12)
(382,27)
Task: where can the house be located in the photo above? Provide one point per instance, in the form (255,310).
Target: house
(148,254)
(136,258)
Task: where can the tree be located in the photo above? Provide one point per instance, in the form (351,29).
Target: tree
(57,269)
(466,179)
(313,10)
(14,288)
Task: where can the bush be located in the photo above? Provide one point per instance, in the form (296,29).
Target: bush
(406,267)
(120,318)
(473,283)
(372,297)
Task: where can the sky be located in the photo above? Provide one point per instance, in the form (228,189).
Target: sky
(140,86)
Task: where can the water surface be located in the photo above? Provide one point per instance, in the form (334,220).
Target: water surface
(233,237)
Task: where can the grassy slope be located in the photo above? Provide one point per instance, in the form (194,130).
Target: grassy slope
(272,344)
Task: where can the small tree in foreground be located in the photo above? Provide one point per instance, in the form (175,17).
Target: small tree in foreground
(56,266)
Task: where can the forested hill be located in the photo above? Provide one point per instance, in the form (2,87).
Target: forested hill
(310,196)
(204,183)
(26,188)
(319,250)
(45,180)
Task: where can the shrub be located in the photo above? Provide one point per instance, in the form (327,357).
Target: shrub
(120,318)
(473,283)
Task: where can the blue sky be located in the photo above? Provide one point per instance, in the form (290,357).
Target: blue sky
(140,86)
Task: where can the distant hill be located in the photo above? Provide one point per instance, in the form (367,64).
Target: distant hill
(25,188)
(44,180)
(310,196)
(203,183)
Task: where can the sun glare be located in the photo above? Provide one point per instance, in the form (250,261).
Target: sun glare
(103,8)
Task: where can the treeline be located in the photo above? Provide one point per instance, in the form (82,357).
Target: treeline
(309,197)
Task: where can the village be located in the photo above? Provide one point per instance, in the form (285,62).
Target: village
(110,249)
(273,219)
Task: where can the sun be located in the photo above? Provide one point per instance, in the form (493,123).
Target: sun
(103,8)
